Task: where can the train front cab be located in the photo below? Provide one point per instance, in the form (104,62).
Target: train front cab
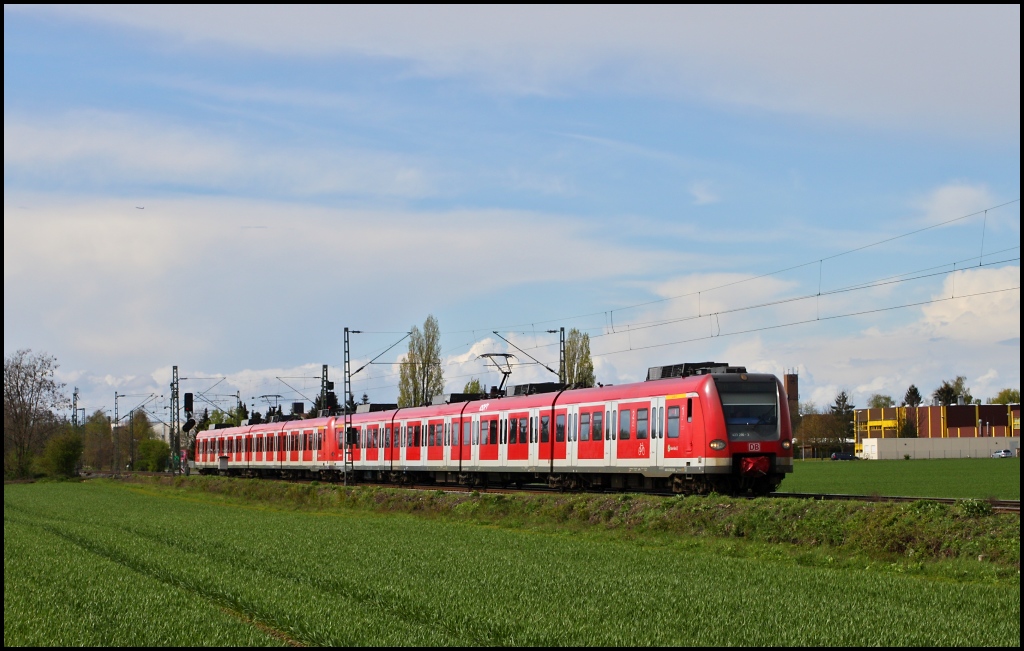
(748,433)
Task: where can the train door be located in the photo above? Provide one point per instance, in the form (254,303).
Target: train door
(590,424)
(307,446)
(572,435)
(657,431)
(560,434)
(466,441)
(503,439)
(534,437)
(633,431)
(389,443)
(446,442)
(435,440)
(517,451)
(475,446)
(414,447)
(489,434)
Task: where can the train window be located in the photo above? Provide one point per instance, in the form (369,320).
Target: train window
(574,423)
(661,422)
(513,430)
(641,423)
(689,410)
(584,427)
(624,423)
(611,424)
(598,424)
(533,429)
(504,431)
(447,439)
(494,432)
(524,427)
(545,421)
(467,433)
(560,428)
(485,432)
(476,432)
(673,422)
(431,435)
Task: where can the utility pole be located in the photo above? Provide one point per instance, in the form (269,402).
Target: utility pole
(561,356)
(131,439)
(115,456)
(175,424)
(347,456)
(74,409)
(323,387)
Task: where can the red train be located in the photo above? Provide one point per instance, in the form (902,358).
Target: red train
(691,428)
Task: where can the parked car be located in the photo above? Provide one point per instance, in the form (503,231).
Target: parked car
(1002,454)
(843,456)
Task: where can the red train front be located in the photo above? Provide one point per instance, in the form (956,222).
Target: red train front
(690,428)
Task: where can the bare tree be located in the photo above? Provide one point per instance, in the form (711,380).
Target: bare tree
(32,396)
(421,377)
(579,367)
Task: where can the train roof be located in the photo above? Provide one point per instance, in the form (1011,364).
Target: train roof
(665,386)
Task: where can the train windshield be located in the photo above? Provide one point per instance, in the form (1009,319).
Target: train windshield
(751,410)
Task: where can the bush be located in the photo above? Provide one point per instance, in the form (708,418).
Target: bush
(62,454)
(153,455)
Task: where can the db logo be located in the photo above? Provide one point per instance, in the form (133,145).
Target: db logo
(753,447)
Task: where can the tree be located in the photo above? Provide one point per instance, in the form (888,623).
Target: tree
(879,401)
(579,367)
(473,386)
(134,430)
(32,395)
(98,441)
(821,433)
(1006,397)
(421,377)
(330,403)
(842,410)
(912,398)
(62,453)
(153,455)
(908,430)
(951,390)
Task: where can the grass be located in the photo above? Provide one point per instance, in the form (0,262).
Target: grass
(962,478)
(107,563)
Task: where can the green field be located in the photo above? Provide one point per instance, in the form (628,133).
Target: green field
(105,563)
(977,478)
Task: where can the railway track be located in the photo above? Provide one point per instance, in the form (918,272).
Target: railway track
(999,506)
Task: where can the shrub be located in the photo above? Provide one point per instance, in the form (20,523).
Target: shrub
(61,455)
(153,455)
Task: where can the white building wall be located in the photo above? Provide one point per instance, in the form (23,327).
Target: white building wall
(933,448)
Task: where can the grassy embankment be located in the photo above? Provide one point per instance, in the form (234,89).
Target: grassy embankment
(216,561)
(961,478)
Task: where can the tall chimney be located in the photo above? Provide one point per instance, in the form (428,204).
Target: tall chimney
(792,384)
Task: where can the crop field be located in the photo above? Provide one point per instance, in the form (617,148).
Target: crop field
(977,478)
(107,563)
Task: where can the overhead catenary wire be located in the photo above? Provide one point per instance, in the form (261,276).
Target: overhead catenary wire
(733,283)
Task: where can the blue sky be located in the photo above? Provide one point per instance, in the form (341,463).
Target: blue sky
(226,188)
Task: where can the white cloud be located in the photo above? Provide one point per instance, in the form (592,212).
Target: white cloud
(177,278)
(703,193)
(106,148)
(955,200)
(932,67)
(986,318)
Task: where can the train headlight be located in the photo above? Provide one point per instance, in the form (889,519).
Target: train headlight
(786,445)
(717,444)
